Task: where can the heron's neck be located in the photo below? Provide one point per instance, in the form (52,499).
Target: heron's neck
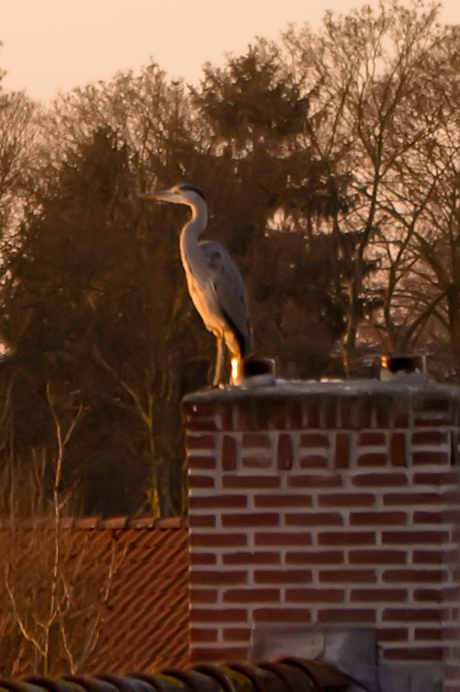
(198,220)
(191,253)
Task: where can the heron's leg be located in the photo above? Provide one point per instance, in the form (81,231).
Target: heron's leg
(219,361)
(236,377)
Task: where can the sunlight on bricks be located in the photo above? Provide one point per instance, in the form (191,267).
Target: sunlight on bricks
(325,503)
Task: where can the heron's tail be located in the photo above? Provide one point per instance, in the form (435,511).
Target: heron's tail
(242,337)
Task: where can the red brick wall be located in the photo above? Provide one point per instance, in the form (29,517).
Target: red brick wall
(324,503)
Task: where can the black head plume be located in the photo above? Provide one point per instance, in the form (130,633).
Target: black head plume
(192,188)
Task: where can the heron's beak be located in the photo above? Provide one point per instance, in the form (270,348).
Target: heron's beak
(164,195)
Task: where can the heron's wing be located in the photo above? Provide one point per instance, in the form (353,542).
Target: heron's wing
(229,289)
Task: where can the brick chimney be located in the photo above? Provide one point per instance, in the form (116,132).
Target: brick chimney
(326,505)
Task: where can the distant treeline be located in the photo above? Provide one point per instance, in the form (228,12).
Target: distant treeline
(331,164)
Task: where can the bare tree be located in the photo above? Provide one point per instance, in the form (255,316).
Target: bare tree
(53,602)
(368,67)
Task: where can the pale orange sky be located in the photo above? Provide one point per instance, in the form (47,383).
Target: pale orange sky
(56,45)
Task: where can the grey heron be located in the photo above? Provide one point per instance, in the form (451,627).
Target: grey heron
(214,282)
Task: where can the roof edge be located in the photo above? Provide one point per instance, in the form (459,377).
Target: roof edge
(98,523)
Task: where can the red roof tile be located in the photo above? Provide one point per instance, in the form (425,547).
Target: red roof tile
(144,624)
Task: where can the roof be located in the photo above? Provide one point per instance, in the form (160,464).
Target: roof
(129,581)
(282,675)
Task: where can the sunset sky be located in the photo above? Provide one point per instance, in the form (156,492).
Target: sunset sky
(51,45)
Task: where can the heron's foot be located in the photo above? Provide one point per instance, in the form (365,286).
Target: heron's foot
(217,385)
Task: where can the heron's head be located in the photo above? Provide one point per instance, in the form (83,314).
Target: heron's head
(179,194)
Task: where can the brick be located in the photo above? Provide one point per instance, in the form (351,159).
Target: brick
(451,635)
(427,557)
(283,539)
(346,499)
(257,461)
(328,410)
(380,479)
(314,440)
(282,576)
(196,481)
(402,412)
(413,576)
(411,615)
(450,496)
(311,411)
(314,519)
(423,654)
(371,438)
(250,519)
(251,482)
(283,500)
(430,438)
(378,556)
(205,634)
(252,596)
(393,634)
(370,459)
(348,615)
(450,557)
(279,414)
(199,462)
(256,440)
(263,414)
(427,595)
(455,445)
(226,417)
(198,409)
(422,536)
(434,411)
(245,416)
(438,404)
(378,518)
(282,614)
(229,453)
(348,576)
(437,457)
(202,558)
(218,577)
(408,499)
(217,654)
(355,412)
(342,450)
(202,424)
(314,596)
(383,412)
(428,634)
(315,557)
(378,595)
(451,515)
(218,540)
(202,521)
(312,461)
(295,415)
(285,452)
(398,449)
(222,614)
(236,634)
(315,480)
(435,517)
(346,538)
(203,596)
(436,478)
(217,502)
(200,442)
(252,558)
(451,594)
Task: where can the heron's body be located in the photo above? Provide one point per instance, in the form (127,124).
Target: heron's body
(214,282)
